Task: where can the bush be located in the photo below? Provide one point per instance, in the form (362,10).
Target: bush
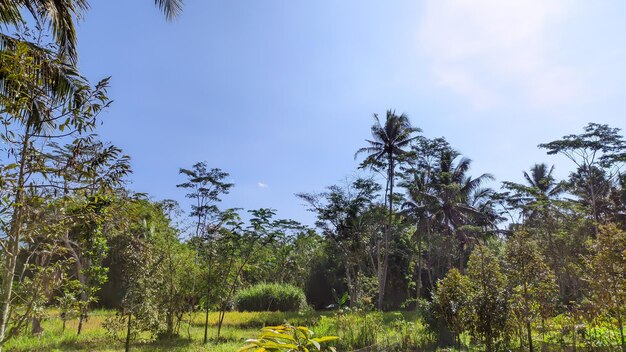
(270,297)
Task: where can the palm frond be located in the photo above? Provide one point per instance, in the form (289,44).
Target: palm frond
(60,79)
(171,8)
(61,16)
(369,150)
(10,12)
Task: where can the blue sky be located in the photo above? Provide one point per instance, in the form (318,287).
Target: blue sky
(281,93)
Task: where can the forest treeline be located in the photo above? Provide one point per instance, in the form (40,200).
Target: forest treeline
(415,231)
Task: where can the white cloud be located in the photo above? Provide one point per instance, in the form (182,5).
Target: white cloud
(262,185)
(492,50)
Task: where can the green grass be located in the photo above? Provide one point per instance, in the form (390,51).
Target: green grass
(237,327)
(403,330)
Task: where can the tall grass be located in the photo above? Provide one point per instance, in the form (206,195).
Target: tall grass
(388,331)
(271,297)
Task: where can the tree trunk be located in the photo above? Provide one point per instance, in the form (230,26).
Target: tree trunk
(383,278)
(530,335)
(351,286)
(206,313)
(84,306)
(461,259)
(527,310)
(574,335)
(170,315)
(431,282)
(418,288)
(36,328)
(594,206)
(379,272)
(127,345)
(221,319)
(80,323)
(13,242)
(620,324)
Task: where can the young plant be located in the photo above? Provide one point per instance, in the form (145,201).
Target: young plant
(287,338)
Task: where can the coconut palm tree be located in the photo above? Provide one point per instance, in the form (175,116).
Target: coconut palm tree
(419,209)
(60,15)
(56,69)
(459,200)
(535,197)
(386,149)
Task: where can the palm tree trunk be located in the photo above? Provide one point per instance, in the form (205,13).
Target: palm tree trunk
(461,259)
(383,277)
(449,245)
(418,288)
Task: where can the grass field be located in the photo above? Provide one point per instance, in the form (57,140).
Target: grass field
(238,326)
(404,330)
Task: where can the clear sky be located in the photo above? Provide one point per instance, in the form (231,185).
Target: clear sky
(280,93)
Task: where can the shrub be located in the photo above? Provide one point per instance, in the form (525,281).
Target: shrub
(270,297)
(450,303)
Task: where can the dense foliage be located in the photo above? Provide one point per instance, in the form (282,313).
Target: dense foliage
(270,297)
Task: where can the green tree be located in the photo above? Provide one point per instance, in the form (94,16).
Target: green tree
(488,298)
(235,244)
(456,198)
(142,230)
(537,196)
(451,302)
(349,216)
(37,112)
(177,273)
(420,180)
(532,283)
(289,255)
(205,187)
(388,148)
(599,147)
(606,273)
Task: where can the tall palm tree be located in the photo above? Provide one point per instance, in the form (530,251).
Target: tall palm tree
(419,209)
(535,197)
(458,199)
(388,148)
(60,15)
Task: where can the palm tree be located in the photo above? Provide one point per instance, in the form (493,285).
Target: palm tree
(535,197)
(56,70)
(387,148)
(419,208)
(459,200)
(60,15)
